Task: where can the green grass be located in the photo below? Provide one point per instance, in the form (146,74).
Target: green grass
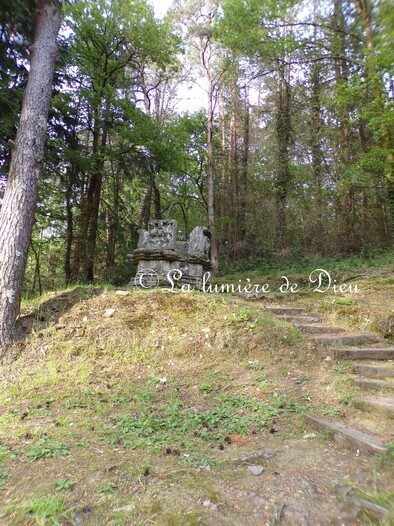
(176,425)
(276,265)
(63,484)
(46,448)
(46,511)
(111,487)
(7,453)
(119,410)
(3,477)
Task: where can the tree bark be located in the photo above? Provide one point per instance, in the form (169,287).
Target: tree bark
(69,234)
(205,57)
(144,216)
(113,223)
(283,132)
(234,175)
(20,199)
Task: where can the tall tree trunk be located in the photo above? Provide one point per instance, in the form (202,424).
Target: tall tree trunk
(113,222)
(69,234)
(144,216)
(87,271)
(317,156)
(20,199)
(283,132)
(86,208)
(83,228)
(233,165)
(156,193)
(37,271)
(223,180)
(245,170)
(205,58)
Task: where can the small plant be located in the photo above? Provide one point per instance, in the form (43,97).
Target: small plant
(47,511)
(46,448)
(282,370)
(261,381)
(240,315)
(119,399)
(3,477)
(63,484)
(388,456)
(345,301)
(255,365)
(341,368)
(111,487)
(84,442)
(6,453)
(346,398)
(39,412)
(330,411)
(206,388)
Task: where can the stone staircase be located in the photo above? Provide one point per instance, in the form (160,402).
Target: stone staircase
(373,370)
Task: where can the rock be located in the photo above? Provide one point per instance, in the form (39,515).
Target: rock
(122,292)
(212,505)
(128,508)
(109,313)
(255,470)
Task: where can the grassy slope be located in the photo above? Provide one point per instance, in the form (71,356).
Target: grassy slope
(153,407)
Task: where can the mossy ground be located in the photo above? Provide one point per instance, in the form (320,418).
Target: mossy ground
(144,417)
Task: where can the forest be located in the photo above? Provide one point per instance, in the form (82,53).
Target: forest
(288,154)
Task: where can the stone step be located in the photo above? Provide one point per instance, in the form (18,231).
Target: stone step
(347,436)
(371,383)
(367,353)
(284,310)
(374,371)
(320,329)
(345,339)
(299,319)
(384,406)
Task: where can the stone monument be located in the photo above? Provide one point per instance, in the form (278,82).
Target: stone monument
(160,257)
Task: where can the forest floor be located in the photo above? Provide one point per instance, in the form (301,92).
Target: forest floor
(185,409)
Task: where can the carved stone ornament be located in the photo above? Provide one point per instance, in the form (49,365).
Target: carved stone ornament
(158,255)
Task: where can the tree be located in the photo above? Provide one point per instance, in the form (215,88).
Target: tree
(20,199)
(16,31)
(200,16)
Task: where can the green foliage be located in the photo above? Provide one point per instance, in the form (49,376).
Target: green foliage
(6,453)
(46,448)
(47,511)
(111,487)
(341,368)
(114,120)
(17,23)
(3,477)
(174,424)
(63,484)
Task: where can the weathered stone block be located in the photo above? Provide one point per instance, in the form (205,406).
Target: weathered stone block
(159,254)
